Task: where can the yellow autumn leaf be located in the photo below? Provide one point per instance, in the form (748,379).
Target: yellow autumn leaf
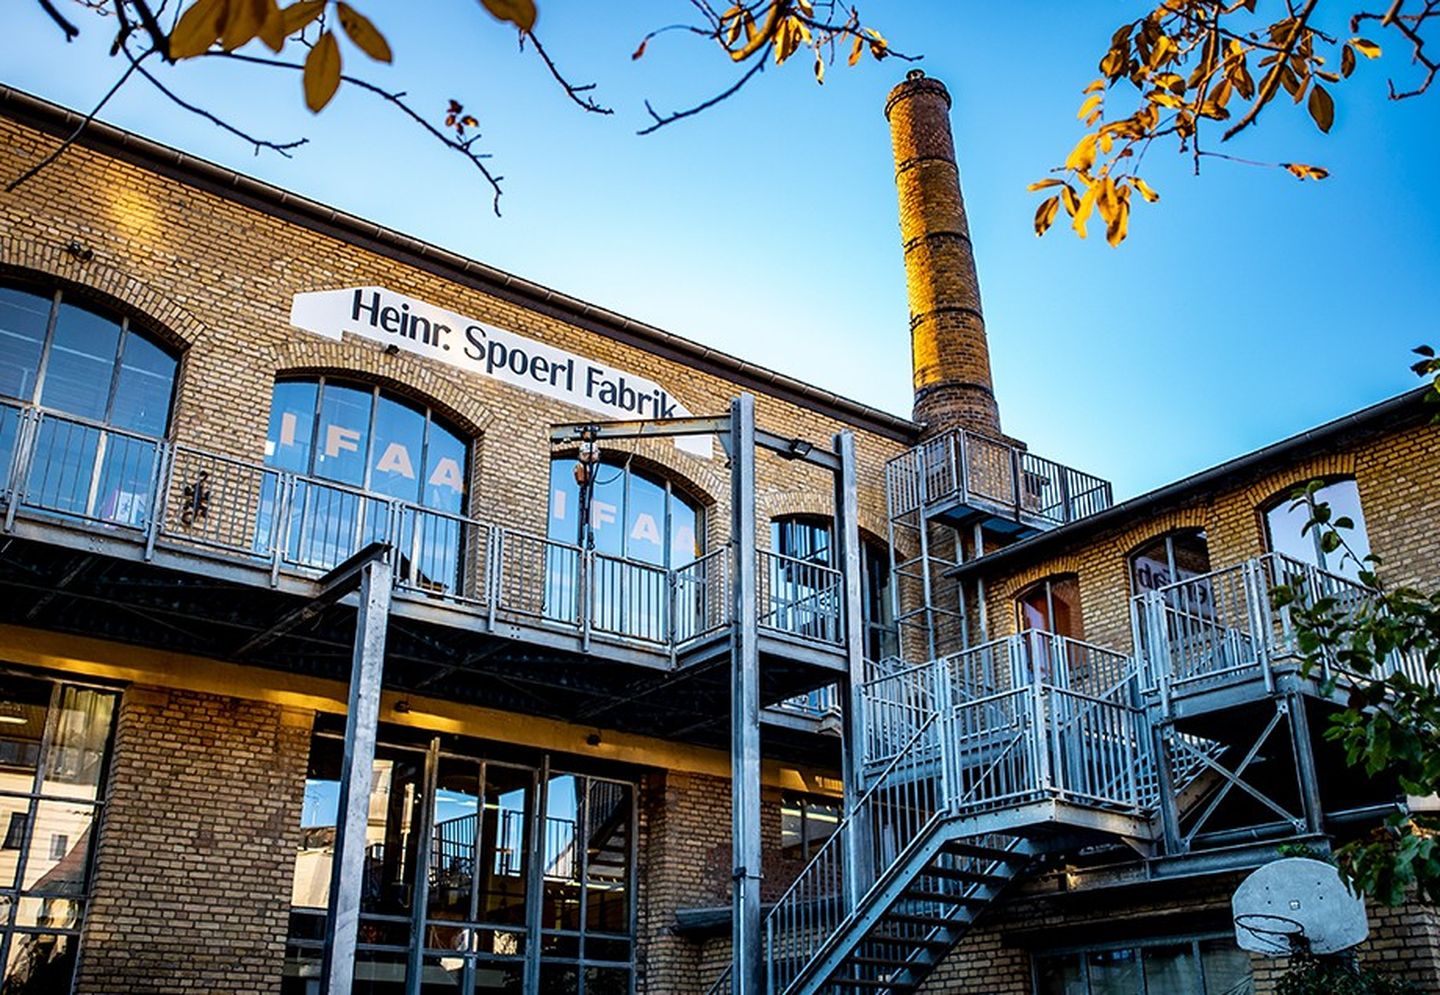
(1322,107)
(1145,189)
(1091,104)
(1083,209)
(243,20)
(359,30)
(322,72)
(1119,225)
(1366,47)
(520,13)
(197,29)
(298,15)
(272,30)
(1043,184)
(1082,156)
(819,69)
(1045,215)
(1304,172)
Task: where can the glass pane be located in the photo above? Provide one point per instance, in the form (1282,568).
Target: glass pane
(15,825)
(1114,972)
(40,964)
(1283,526)
(1034,609)
(63,467)
(442,974)
(687,537)
(343,433)
(1172,969)
(75,764)
(559,979)
(292,425)
(564,503)
(23,707)
(46,913)
(59,857)
(399,450)
(301,973)
(144,387)
(502,848)
(498,978)
(802,538)
(792,825)
(607,509)
(127,476)
(379,973)
(1226,967)
(452,844)
(81,363)
(645,521)
(1060,976)
(1150,567)
(1344,500)
(606,981)
(23,317)
(1065,597)
(562,853)
(446,459)
(607,865)
(391,836)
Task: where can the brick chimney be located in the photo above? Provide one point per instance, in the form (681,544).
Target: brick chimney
(947,328)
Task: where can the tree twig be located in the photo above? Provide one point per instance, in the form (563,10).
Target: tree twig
(397,100)
(579,93)
(1271,83)
(71,31)
(14,184)
(661,121)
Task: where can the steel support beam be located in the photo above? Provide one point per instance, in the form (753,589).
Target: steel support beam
(847,533)
(748,953)
(1305,766)
(362,718)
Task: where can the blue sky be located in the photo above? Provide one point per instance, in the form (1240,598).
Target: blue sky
(1244,307)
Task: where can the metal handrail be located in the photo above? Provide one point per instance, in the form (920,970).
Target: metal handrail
(965,465)
(188,498)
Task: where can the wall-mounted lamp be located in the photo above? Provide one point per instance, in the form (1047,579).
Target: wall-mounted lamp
(80,252)
(796,449)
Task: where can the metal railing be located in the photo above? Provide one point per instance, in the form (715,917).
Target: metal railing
(799,597)
(1221,627)
(181,497)
(984,471)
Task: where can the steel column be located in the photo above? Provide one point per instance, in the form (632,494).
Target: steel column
(748,955)
(1306,768)
(847,533)
(362,718)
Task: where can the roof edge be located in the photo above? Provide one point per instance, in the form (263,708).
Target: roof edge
(1365,421)
(108,139)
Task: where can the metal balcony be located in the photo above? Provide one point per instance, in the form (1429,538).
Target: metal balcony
(960,477)
(100,489)
(1217,640)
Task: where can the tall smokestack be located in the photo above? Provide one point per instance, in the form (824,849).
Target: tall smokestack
(947,328)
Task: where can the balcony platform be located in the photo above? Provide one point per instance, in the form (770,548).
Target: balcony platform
(146,588)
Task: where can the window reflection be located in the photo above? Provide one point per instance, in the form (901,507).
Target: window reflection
(1287,535)
(1181,966)
(371,445)
(47,815)
(107,389)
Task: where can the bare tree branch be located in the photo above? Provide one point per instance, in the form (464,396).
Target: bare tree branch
(661,121)
(578,93)
(14,184)
(397,100)
(71,31)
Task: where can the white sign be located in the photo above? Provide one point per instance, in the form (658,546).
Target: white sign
(393,319)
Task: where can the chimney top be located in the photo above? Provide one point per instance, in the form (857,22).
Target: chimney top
(915,81)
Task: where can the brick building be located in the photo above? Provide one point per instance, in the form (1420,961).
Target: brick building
(362,630)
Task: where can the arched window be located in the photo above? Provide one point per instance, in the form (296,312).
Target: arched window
(1171,559)
(1051,605)
(370,465)
(1285,531)
(801,540)
(640,526)
(633,515)
(106,388)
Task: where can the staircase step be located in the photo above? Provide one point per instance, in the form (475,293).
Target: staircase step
(956,874)
(917,920)
(964,848)
(880,986)
(933,943)
(876,961)
(939,896)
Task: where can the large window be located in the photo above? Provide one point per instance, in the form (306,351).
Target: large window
(1286,533)
(464,887)
(640,526)
(54,757)
(1052,605)
(1211,965)
(1170,560)
(106,388)
(381,467)
(802,597)
(806,822)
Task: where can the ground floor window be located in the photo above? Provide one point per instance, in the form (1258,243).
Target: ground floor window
(55,743)
(482,876)
(806,822)
(1206,965)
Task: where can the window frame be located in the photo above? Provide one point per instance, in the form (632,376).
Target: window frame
(1194,939)
(1285,498)
(682,493)
(803,802)
(1047,584)
(127,326)
(1168,538)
